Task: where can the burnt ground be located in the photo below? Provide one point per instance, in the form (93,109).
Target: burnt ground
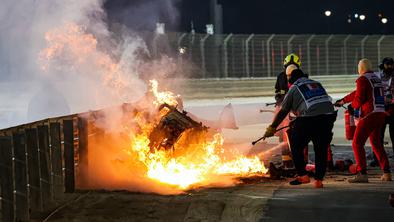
(244,202)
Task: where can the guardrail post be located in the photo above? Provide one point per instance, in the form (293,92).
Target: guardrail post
(263,59)
(20,174)
(379,48)
(363,46)
(180,39)
(56,160)
(269,55)
(327,42)
(253,62)
(192,37)
(318,59)
(247,54)
(179,42)
(43,144)
(33,169)
(225,55)
(83,164)
(6,182)
(308,50)
(345,52)
(154,46)
(202,48)
(69,179)
(289,44)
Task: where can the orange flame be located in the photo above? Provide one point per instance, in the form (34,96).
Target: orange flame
(196,161)
(162,97)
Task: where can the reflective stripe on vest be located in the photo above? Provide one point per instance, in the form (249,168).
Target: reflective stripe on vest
(312,92)
(377,91)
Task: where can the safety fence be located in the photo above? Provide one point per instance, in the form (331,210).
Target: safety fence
(245,56)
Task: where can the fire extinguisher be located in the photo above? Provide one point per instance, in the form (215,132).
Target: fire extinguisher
(350,125)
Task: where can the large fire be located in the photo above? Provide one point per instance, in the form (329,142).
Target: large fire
(195,159)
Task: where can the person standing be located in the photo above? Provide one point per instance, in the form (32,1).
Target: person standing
(309,102)
(386,74)
(368,102)
(291,62)
(387,71)
(282,85)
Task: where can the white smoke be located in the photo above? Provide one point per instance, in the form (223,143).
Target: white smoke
(24,23)
(68,85)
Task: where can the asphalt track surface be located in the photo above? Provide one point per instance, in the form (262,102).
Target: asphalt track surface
(338,201)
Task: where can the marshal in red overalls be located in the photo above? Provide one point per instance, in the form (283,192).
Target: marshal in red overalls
(368,102)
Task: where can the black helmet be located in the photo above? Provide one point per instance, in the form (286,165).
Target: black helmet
(386,60)
(295,75)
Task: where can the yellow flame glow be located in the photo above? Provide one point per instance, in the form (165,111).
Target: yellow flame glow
(162,97)
(197,162)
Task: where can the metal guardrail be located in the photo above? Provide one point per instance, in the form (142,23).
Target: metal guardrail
(41,161)
(37,163)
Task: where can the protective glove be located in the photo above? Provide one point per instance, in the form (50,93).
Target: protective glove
(339,103)
(269,132)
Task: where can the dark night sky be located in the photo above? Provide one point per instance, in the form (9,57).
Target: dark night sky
(257,16)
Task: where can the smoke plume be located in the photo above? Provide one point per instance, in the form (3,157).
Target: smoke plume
(57,53)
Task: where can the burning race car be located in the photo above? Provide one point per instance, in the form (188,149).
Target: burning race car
(171,127)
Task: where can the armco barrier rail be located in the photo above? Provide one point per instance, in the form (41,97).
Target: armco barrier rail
(41,161)
(37,165)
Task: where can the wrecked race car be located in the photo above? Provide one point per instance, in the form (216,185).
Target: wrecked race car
(171,127)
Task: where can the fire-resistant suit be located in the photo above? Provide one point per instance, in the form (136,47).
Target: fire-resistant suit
(281,87)
(368,102)
(388,84)
(309,102)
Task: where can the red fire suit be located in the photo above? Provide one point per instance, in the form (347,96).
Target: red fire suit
(368,102)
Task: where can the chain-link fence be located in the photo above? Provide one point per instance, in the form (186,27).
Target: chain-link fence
(243,56)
